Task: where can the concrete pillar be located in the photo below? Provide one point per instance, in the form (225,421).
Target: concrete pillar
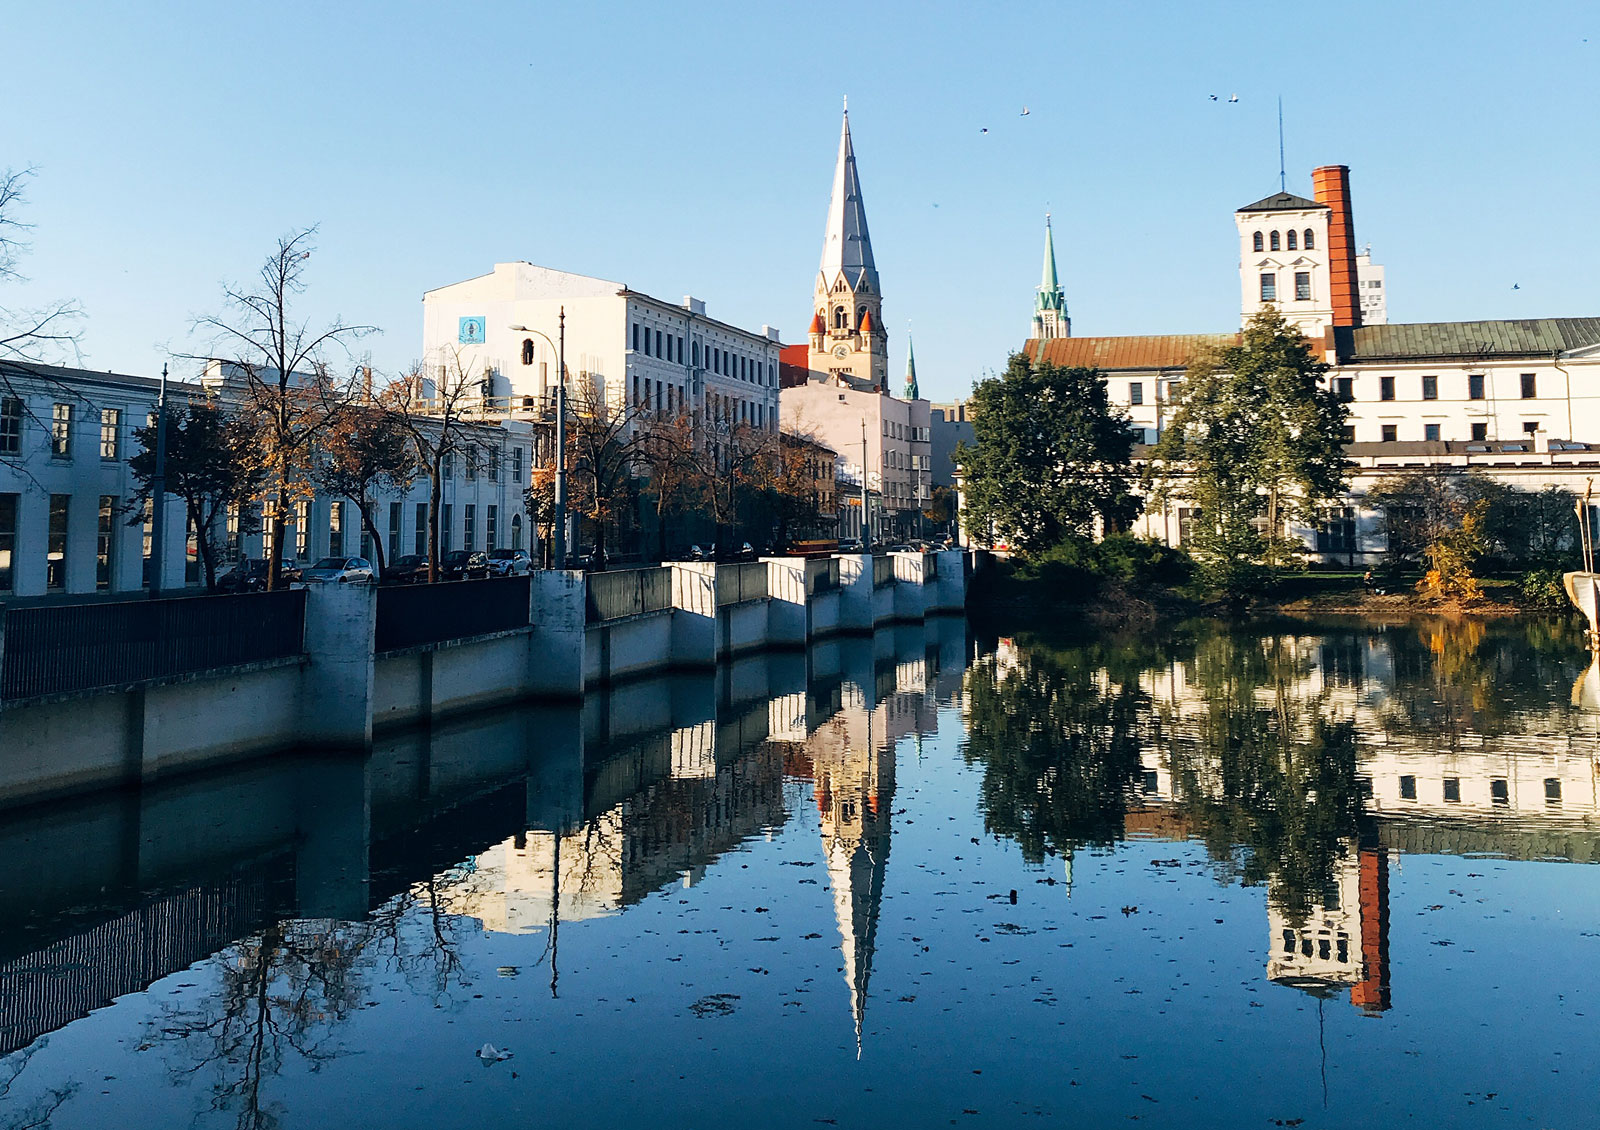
(909,595)
(952,568)
(336,692)
(555,646)
(694,616)
(786,611)
(855,592)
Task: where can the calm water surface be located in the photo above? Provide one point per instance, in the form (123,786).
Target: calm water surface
(1300,875)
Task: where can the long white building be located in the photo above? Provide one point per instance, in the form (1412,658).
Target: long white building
(1519,399)
(502,329)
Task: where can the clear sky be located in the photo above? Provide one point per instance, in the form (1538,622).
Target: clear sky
(688,149)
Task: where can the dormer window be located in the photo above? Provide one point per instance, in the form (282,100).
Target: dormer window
(1293,241)
(1257,242)
(1274,242)
(1310,240)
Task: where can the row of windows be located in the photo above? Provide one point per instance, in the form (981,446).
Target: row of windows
(1302,286)
(669,347)
(896,430)
(904,461)
(1431,433)
(1273,242)
(1499,790)
(477,457)
(107,527)
(62,418)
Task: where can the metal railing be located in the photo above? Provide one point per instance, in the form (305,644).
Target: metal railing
(882,571)
(739,583)
(822,575)
(70,648)
(416,615)
(627,592)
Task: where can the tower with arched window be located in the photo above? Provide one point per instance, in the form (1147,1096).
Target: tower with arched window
(847,333)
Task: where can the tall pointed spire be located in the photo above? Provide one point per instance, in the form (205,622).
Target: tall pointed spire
(911,371)
(1050,318)
(846,244)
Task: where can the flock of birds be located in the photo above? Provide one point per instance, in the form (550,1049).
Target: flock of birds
(1026,111)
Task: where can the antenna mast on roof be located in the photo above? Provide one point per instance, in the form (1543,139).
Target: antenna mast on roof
(1283,176)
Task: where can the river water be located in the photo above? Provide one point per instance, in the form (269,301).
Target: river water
(1319,875)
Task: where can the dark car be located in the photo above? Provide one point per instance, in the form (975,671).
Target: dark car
(411,569)
(462,565)
(249,574)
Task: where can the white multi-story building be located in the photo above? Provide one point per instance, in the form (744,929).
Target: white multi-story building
(68,526)
(503,329)
(1374,295)
(1519,399)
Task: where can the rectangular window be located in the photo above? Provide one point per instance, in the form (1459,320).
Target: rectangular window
(447,521)
(231,548)
(55,557)
(494,465)
(447,465)
(10,425)
(1474,386)
(1452,789)
(491,527)
(1500,792)
(302,529)
(1336,530)
(636,337)
(61,431)
(1530,427)
(1552,790)
(1408,787)
(468,527)
(1430,388)
(1346,388)
(336,529)
(110,430)
(1269,287)
(1186,520)
(1136,392)
(420,540)
(8,539)
(1349,433)
(1530,386)
(1391,432)
(658,343)
(1480,431)
(105,545)
(470,459)
(516,465)
(1302,286)
(1385,388)
(1430,433)
(395,511)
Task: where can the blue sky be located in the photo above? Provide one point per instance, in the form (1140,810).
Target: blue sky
(688,149)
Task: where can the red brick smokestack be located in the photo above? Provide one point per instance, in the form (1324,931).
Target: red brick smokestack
(1331,186)
(1371,995)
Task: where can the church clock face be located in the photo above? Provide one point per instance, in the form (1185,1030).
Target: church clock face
(841,351)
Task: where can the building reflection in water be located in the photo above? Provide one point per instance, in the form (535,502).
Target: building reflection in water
(1317,752)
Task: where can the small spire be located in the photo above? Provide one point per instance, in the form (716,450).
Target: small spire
(1050,318)
(912,392)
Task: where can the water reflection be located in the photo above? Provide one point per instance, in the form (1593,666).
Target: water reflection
(813,823)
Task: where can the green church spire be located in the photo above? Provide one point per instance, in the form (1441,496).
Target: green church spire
(911,371)
(1050,318)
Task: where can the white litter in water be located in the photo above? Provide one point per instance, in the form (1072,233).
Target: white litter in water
(490,1054)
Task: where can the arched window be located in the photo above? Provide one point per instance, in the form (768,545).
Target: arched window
(695,354)
(1311,240)
(1274,242)
(516,531)
(527,351)
(1293,241)
(841,321)
(1257,242)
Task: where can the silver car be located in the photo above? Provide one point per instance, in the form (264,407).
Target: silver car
(509,563)
(337,570)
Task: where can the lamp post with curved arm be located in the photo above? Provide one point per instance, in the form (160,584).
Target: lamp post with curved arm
(558,557)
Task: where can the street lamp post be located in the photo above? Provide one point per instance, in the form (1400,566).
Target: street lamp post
(158,492)
(558,556)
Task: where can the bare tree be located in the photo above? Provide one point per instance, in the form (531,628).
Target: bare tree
(434,412)
(668,453)
(604,444)
(279,367)
(369,455)
(28,334)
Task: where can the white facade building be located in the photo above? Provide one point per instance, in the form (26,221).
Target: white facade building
(503,328)
(1374,294)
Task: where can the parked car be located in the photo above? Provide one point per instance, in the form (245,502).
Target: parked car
(410,569)
(337,571)
(462,565)
(850,545)
(744,551)
(904,547)
(249,574)
(509,563)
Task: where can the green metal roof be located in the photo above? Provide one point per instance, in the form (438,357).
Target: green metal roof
(1423,341)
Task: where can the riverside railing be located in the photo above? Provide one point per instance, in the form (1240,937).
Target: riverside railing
(739,583)
(82,647)
(416,615)
(882,572)
(627,592)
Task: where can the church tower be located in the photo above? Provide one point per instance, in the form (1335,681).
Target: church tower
(1050,318)
(847,332)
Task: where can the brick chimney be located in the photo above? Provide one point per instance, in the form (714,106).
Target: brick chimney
(1331,186)
(1371,994)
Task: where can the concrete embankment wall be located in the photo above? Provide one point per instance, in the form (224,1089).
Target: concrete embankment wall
(342,690)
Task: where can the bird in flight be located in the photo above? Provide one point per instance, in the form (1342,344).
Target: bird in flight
(1213,98)
(985,129)
(1516,286)
(1234,98)
(1024,113)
